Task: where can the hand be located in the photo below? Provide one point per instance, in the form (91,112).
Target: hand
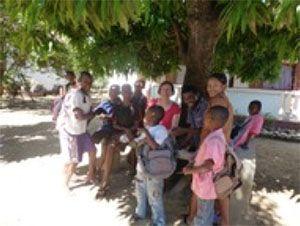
(78,113)
(141,130)
(129,134)
(174,132)
(187,170)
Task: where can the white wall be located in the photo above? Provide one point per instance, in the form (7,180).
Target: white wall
(284,105)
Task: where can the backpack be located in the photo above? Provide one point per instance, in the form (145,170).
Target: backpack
(160,163)
(229,178)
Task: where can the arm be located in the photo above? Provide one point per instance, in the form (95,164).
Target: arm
(149,140)
(175,121)
(203,168)
(81,116)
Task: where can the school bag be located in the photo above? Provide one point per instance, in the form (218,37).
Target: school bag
(229,178)
(160,163)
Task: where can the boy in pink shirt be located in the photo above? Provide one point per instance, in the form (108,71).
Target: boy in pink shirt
(253,125)
(209,160)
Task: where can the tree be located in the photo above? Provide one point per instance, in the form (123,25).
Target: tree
(247,38)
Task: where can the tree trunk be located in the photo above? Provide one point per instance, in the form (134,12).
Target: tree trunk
(2,70)
(203,21)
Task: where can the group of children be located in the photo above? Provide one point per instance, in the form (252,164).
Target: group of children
(205,131)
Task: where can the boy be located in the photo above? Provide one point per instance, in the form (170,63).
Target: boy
(245,150)
(253,125)
(208,161)
(122,122)
(72,126)
(148,189)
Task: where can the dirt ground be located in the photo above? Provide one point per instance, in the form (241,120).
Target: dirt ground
(31,191)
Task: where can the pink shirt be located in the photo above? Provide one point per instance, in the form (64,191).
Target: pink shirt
(252,128)
(213,147)
(173,110)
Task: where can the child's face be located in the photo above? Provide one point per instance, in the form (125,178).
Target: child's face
(126,93)
(149,118)
(253,110)
(207,120)
(214,87)
(86,83)
(114,92)
(209,123)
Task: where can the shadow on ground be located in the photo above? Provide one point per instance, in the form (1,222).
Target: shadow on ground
(277,165)
(29,140)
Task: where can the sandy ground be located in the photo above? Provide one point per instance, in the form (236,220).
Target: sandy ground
(31,192)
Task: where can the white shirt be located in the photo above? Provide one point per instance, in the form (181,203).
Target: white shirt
(66,119)
(159,133)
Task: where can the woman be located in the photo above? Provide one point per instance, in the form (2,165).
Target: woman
(216,86)
(172,110)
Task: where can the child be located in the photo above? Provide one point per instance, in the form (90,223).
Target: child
(106,109)
(57,103)
(148,189)
(209,160)
(72,126)
(122,122)
(245,151)
(253,125)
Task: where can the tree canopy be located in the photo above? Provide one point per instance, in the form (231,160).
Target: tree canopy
(252,38)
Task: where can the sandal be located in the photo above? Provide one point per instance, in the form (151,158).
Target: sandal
(102,191)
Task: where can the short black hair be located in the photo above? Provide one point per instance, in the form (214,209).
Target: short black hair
(159,112)
(220,114)
(190,89)
(256,103)
(85,74)
(221,77)
(166,83)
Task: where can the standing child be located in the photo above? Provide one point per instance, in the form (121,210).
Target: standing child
(209,160)
(149,189)
(72,126)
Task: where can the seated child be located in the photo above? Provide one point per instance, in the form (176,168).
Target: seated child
(122,122)
(106,109)
(208,161)
(252,125)
(150,190)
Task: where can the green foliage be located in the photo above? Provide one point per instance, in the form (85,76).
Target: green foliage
(139,35)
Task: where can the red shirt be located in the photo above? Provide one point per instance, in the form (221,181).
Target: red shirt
(172,111)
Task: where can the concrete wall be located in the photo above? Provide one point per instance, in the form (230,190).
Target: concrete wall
(283,105)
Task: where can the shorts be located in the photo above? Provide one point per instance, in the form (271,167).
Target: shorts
(73,146)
